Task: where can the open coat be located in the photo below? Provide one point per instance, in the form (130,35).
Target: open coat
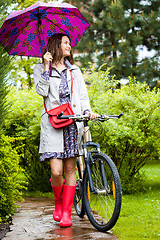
(51,139)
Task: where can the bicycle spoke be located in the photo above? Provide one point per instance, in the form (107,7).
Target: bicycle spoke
(78,198)
(104,206)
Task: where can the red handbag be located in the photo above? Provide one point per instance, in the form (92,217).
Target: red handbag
(66,108)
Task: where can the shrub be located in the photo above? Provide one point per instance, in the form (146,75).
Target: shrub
(11,186)
(23,123)
(37,173)
(129,141)
(133,139)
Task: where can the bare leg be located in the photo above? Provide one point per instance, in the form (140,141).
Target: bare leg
(56,172)
(69,169)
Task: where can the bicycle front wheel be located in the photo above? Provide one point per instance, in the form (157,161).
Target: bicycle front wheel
(103,206)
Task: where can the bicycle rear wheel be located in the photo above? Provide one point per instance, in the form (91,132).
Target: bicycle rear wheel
(78,197)
(103,206)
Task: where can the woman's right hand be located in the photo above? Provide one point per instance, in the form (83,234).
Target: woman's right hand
(47,59)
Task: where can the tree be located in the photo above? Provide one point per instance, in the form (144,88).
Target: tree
(119,29)
(134,139)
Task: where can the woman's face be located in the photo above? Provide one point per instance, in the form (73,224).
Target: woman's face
(66,47)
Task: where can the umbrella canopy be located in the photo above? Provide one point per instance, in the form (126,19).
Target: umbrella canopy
(26,32)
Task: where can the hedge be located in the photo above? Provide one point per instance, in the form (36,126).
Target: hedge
(130,141)
(135,138)
(11,185)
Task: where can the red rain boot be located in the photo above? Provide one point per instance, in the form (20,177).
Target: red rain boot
(67,202)
(57,214)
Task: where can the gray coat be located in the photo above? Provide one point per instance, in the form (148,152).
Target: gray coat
(51,139)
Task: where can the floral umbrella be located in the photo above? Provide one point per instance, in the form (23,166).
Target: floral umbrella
(26,32)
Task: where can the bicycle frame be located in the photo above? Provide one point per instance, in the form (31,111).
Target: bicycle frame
(88,159)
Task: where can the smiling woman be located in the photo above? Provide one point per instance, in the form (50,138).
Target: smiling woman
(66,46)
(58,47)
(62,85)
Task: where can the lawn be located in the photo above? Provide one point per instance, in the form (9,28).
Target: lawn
(140,214)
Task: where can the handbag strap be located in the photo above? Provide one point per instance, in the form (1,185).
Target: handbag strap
(71,84)
(71,90)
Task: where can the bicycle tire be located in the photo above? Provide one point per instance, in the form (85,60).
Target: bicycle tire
(78,197)
(103,208)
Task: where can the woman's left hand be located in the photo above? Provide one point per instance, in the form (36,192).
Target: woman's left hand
(93,115)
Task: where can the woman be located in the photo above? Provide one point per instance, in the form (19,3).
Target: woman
(61,146)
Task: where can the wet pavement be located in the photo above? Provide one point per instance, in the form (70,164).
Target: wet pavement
(33,221)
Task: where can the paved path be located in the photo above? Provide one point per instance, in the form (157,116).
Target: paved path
(33,221)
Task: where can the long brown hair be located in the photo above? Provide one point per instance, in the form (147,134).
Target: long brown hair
(54,47)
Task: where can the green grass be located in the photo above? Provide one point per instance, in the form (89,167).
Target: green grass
(140,213)
(38,194)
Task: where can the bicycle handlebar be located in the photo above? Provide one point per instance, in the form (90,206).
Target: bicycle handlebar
(101,117)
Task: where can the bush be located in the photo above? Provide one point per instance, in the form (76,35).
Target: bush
(37,173)
(23,123)
(133,139)
(11,186)
(129,141)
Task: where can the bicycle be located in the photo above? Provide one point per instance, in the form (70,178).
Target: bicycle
(98,191)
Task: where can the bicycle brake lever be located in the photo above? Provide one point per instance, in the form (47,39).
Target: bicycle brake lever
(102,118)
(120,115)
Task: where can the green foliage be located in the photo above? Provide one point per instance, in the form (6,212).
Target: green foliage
(139,218)
(133,139)
(129,141)
(4,4)
(23,123)
(11,186)
(22,70)
(4,68)
(119,29)
(22,4)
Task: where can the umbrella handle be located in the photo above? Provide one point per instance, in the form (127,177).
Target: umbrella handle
(50,70)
